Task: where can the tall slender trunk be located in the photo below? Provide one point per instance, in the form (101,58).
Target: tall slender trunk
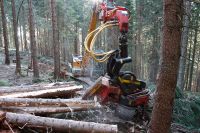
(16,39)
(188,63)
(165,92)
(154,57)
(56,43)
(5,33)
(10,35)
(1,40)
(24,28)
(139,45)
(193,54)
(33,41)
(198,73)
(76,51)
(21,39)
(184,43)
(197,79)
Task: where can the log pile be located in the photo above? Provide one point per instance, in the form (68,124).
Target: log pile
(26,106)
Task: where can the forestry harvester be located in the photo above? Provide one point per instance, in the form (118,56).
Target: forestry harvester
(120,87)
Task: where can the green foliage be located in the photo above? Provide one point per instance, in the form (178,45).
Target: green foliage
(186,111)
(186,108)
(4,83)
(37,80)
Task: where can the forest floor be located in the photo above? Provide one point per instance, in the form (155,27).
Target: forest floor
(8,76)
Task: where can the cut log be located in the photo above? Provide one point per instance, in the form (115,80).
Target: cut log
(56,92)
(59,124)
(46,110)
(35,102)
(28,88)
(93,89)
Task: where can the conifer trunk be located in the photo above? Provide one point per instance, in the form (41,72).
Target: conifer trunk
(33,41)
(16,39)
(5,33)
(165,93)
(56,44)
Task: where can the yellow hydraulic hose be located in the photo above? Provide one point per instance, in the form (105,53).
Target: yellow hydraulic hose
(87,43)
(89,47)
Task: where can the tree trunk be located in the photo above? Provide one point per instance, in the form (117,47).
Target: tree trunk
(193,54)
(59,124)
(184,43)
(34,87)
(53,93)
(16,39)
(33,41)
(5,33)
(165,93)
(21,39)
(154,64)
(139,45)
(24,28)
(198,82)
(188,64)
(56,43)
(35,102)
(1,25)
(47,110)
(11,35)
(76,47)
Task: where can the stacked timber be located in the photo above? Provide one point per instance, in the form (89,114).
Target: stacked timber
(25,106)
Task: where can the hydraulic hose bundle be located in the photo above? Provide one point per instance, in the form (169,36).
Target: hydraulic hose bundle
(98,57)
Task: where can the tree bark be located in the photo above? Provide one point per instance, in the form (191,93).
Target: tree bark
(193,54)
(188,64)
(76,39)
(56,44)
(21,39)
(33,41)
(154,56)
(1,25)
(154,64)
(24,28)
(184,43)
(139,45)
(16,39)
(165,92)
(59,124)
(47,110)
(29,88)
(5,33)
(198,82)
(57,92)
(35,102)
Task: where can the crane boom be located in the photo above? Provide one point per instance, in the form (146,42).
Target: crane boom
(92,27)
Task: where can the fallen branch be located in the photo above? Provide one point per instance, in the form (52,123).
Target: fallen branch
(56,92)
(59,124)
(35,102)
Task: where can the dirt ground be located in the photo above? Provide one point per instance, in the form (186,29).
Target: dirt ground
(7,74)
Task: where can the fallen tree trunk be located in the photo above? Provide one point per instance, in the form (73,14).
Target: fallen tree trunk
(35,102)
(28,88)
(59,124)
(45,110)
(56,92)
